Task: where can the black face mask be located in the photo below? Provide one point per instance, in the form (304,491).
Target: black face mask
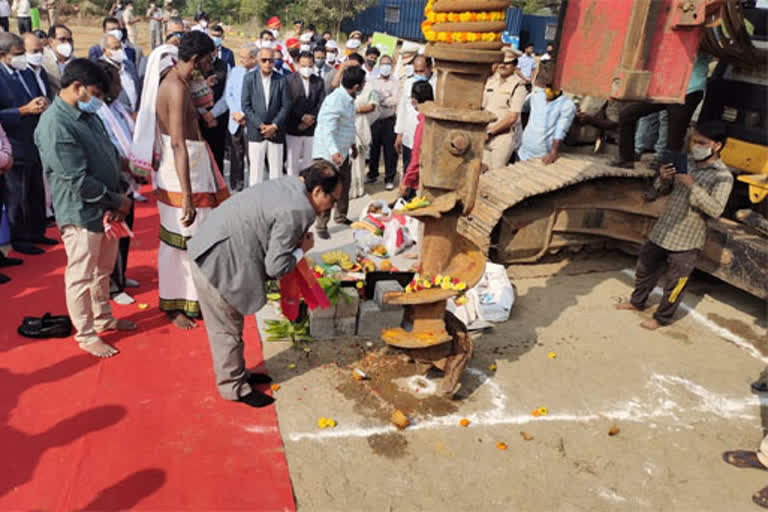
(370,62)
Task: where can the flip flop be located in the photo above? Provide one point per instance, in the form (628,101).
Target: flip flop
(761,497)
(760,386)
(744,459)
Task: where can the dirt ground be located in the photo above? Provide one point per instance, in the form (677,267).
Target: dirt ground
(679,397)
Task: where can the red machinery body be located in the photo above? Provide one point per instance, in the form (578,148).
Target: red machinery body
(631,49)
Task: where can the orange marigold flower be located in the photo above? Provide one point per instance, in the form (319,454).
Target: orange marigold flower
(465,17)
(535,413)
(501,446)
(453,16)
(464,422)
(482,16)
(274,387)
(441,17)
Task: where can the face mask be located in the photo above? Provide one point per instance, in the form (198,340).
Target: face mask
(304,48)
(267,44)
(91,106)
(701,153)
(117,55)
(385,69)
(203,23)
(35,59)
(330,58)
(217,42)
(408,70)
(276,33)
(419,78)
(64,49)
(370,62)
(19,62)
(116,33)
(279,64)
(306,72)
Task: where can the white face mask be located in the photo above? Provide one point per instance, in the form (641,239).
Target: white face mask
(304,48)
(385,70)
(35,59)
(701,153)
(64,49)
(203,23)
(330,58)
(19,62)
(116,33)
(408,70)
(306,72)
(267,44)
(117,55)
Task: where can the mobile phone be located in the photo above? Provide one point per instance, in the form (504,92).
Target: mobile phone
(678,160)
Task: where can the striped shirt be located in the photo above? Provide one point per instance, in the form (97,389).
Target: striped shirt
(683,224)
(335,131)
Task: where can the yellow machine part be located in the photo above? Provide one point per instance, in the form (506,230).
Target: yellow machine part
(752,159)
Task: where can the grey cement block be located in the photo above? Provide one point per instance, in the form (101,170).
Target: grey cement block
(372,319)
(328,312)
(348,308)
(383,287)
(345,326)
(322,328)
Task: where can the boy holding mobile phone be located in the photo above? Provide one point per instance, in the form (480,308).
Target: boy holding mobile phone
(674,242)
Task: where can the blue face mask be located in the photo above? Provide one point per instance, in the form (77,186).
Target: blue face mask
(419,78)
(91,106)
(217,42)
(279,64)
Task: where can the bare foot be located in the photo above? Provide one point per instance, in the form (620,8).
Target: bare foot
(181,321)
(119,324)
(625,306)
(651,324)
(99,349)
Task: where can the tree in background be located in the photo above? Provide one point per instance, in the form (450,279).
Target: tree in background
(330,13)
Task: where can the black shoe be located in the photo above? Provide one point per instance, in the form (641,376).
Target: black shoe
(9,262)
(369,181)
(254,379)
(623,164)
(344,221)
(26,248)
(323,234)
(4,278)
(43,240)
(41,328)
(47,320)
(256,399)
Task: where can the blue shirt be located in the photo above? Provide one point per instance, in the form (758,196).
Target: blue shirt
(527,65)
(335,131)
(549,121)
(698,80)
(233,94)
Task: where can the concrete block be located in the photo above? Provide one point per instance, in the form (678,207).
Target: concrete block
(348,308)
(383,287)
(345,326)
(328,312)
(372,319)
(322,328)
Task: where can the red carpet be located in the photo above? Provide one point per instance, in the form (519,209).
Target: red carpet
(145,430)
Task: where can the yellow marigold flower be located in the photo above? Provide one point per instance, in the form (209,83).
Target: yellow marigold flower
(453,16)
(489,37)
(142,305)
(427,283)
(431,17)
(460,287)
(441,17)
(274,387)
(482,16)
(456,37)
(359,285)
(501,446)
(543,411)
(446,280)
(465,17)
(460,301)
(472,37)
(551,355)
(492,367)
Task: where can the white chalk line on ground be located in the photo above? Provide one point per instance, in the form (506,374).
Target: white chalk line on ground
(709,324)
(657,405)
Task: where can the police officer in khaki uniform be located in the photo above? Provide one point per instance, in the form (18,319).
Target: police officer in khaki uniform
(504,95)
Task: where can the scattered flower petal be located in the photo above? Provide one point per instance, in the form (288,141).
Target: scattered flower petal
(501,446)
(492,367)
(142,305)
(464,422)
(551,355)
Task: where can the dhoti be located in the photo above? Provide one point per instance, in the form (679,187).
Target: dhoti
(176,289)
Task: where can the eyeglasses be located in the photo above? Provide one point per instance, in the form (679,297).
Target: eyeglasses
(267,60)
(64,39)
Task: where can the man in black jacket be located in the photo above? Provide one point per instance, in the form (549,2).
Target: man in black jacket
(307,92)
(266,105)
(214,124)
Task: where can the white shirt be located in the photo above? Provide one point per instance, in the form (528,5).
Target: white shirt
(5,9)
(305,83)
(22,8)
(407,115)
(38,76)
(129,86)
(266,82)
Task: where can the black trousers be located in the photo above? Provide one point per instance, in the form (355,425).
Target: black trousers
(24,199)
(238,152)
(342,206)
(673,268)
(117,279)
(25,25)
(216,138)
(679,117)
(406,158)
(383,137)
(4,23)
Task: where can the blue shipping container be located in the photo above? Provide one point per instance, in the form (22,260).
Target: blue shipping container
(538,30)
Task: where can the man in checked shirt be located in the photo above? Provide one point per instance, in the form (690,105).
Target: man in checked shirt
(675,240)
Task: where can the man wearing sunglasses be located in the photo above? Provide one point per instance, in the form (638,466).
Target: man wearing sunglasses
(266,105)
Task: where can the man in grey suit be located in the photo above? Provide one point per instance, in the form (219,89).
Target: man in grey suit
(256,235)
(266,105)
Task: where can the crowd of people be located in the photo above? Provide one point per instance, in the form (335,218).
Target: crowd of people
(298,118)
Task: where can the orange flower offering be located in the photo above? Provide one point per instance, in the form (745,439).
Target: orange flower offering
(464,422)
(142,305)
(274,387)
(486,20)
(501,446)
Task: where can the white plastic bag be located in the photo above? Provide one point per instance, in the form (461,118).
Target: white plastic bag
(397,237)
(495,293)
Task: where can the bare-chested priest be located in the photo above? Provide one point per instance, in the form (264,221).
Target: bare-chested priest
(187,183)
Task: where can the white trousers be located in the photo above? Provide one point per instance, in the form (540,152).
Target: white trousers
(299,154)
(257,153)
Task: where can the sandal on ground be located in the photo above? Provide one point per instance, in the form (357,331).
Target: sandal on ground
(761,497)
(744,459)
